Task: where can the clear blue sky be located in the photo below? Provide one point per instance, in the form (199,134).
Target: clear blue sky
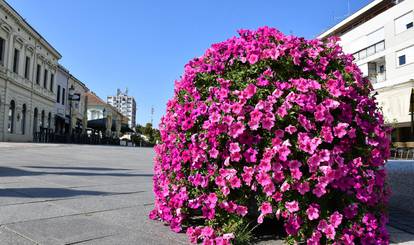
(144,45)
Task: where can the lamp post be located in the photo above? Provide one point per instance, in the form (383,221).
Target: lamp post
(412,113)
(71,94)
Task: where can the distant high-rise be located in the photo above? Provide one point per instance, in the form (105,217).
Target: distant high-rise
(124,104)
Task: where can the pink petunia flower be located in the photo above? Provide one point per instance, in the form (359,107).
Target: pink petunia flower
(330,232)
(340,130)
(234,147)
(335,219)
(303,188)
(249,91)
(292,206)
(291,129)
(236,129)
(253,58)
(313,212)
(326,134)
(266,208)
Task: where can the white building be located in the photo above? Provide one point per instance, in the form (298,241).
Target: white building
(28,65)
(126,105)
(61,106)
(381,38)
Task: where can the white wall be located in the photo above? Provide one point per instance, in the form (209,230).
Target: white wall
(380,27)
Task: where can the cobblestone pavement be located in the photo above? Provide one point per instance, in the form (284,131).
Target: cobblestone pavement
(73,194)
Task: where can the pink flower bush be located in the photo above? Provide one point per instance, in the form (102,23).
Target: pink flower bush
(268,126)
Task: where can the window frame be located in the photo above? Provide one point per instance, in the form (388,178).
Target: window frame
(38,71)
(405,25)
(2,49)
(27,68)
(63,95)
(16,60)
(23,123)
(58,94)
(45,76)
(11,114)
(404,59)
(52,82)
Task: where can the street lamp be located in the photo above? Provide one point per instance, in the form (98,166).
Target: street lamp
(71,94)
(412,113)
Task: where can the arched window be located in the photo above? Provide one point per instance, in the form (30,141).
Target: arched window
(12,109)
(24,119)
(35,120)
(42,120)
(49,120)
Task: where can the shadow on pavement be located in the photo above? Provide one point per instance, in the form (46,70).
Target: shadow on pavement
(79,168)
(15,172)
(49,192)
(404,222)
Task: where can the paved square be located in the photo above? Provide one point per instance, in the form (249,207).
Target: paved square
(78,194)
(81,194)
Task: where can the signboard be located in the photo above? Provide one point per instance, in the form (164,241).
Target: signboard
(75,97)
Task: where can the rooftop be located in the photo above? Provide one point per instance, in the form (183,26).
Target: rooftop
(363,15)
(20,18)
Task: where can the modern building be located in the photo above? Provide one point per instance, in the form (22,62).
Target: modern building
(28,64)
(381,38)
(61,107)
(104,117)
(126,105)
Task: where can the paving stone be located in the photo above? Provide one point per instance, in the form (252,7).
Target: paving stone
(8,237)
(66,180)
(65,230)
(95,204)
(8,197)
(136,219)
(126,238)
(118,188)
(31,211)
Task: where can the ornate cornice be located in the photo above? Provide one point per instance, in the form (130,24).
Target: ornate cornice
(28,28)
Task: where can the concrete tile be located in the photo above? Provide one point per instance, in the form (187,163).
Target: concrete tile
(31,211)
(117,188)
(136,219)
(8,237)
(66,181)
(133,238)
(94,204)
(402,238)
(8,197)
(64,230)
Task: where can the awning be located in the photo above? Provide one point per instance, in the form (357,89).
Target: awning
(60,117)
(97,124)
(395,104)
(126,129)
(100,124)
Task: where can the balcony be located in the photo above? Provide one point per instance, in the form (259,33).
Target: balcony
(376,70)
(371,50)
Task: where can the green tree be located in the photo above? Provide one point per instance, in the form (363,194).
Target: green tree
(139,129)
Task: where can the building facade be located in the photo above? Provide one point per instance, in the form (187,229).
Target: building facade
(28,64)
(105,117)
(61,105)
(78,109)
(126,105)
(381,38)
